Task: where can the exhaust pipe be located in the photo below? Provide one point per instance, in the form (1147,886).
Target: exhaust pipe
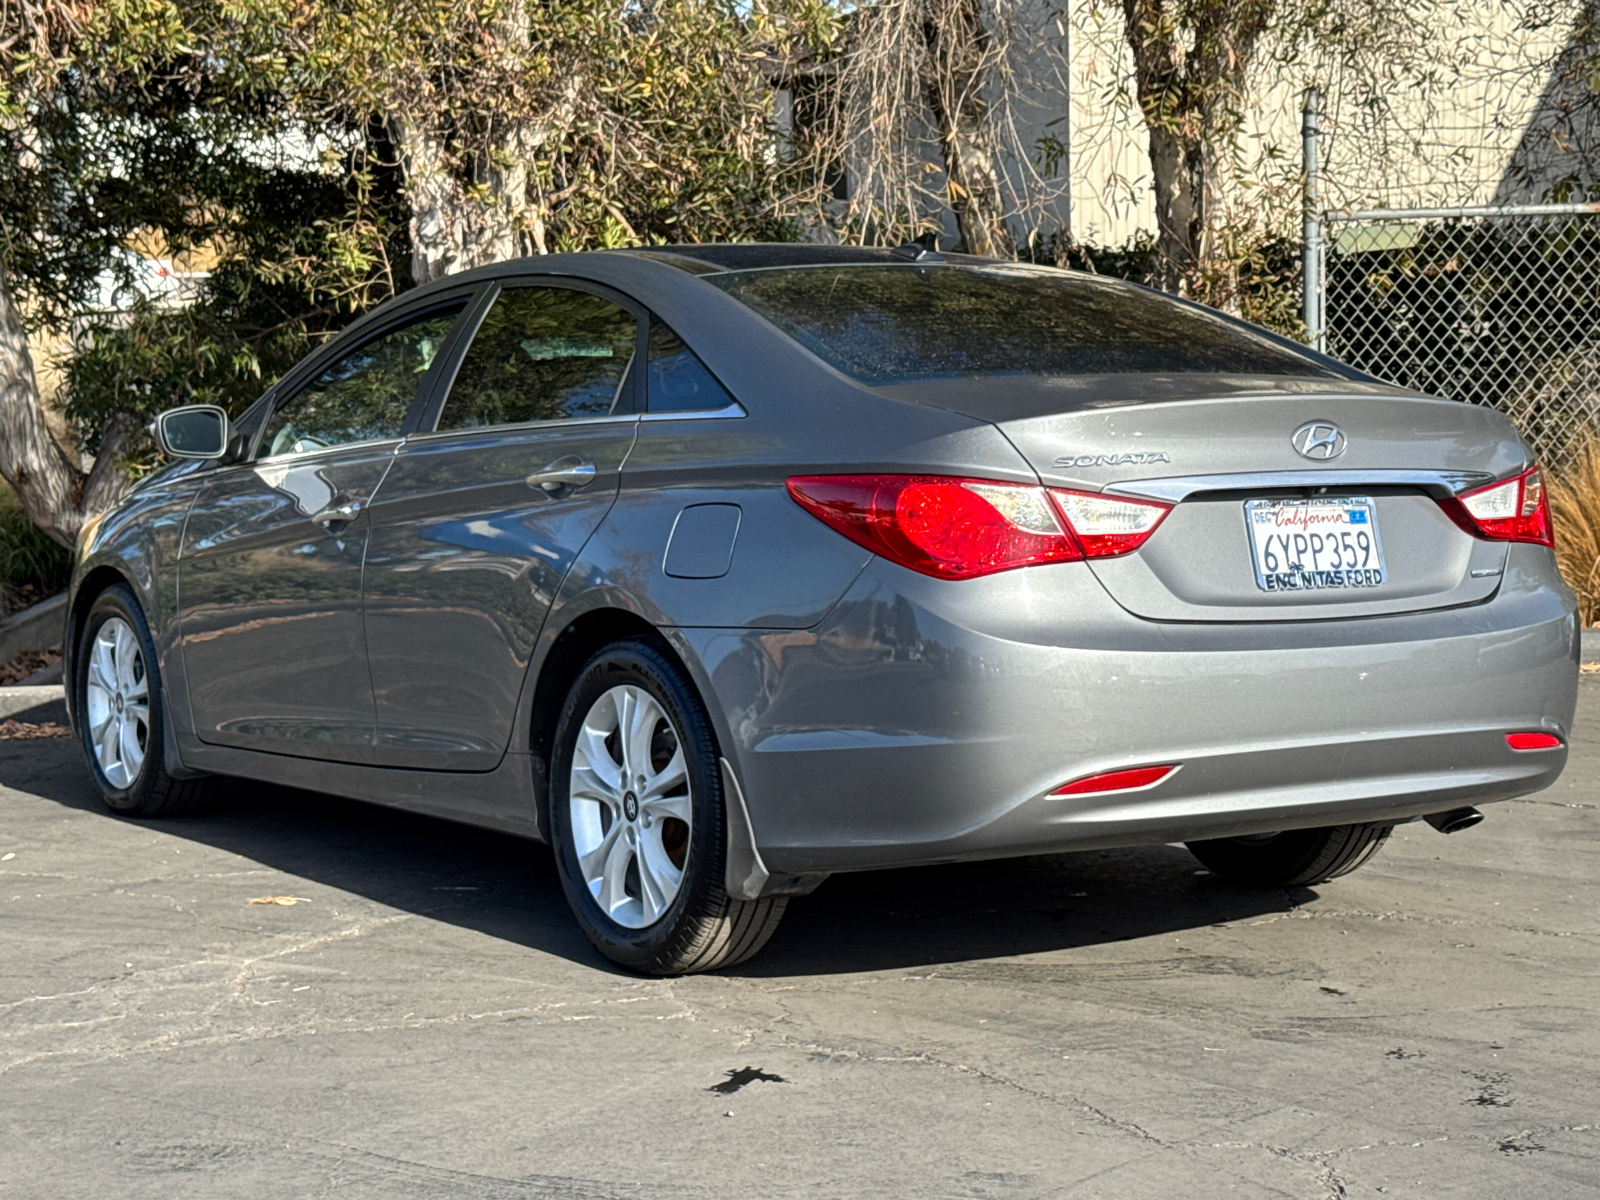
(1455,820)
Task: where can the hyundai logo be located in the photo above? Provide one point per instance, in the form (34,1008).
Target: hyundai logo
(1318,440)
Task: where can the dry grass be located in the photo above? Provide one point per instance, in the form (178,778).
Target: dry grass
(1575,508)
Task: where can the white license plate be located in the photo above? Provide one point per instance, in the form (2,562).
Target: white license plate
(1310,545)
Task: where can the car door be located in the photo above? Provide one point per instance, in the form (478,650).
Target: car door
(269,574)
(482,515)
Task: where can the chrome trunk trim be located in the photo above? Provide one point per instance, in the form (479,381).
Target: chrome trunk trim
(1172,490)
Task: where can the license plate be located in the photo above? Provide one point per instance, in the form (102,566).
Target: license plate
(1312,545)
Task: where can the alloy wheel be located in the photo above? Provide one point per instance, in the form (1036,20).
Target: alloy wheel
(630,806)
(117,703)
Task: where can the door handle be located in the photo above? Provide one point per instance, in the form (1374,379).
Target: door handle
(563,476)
(338,514)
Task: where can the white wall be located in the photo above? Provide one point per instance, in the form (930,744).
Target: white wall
(1451,142)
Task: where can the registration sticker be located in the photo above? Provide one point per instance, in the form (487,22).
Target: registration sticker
(1313,545)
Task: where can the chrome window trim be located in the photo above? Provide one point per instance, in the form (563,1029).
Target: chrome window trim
(706,414)
(394,440)
(1178,488)
(511,427)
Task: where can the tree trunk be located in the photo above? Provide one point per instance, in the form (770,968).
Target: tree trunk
(1190,64)
(31,460)
(471,201)
(952,87)
(451,230)
(1177,250)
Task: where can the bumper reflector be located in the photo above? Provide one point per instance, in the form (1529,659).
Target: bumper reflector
(1533,741)
(1118,781)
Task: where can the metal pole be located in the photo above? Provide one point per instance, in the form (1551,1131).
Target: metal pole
(1311,230)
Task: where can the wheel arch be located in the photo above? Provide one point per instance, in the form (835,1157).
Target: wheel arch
(95,583)
(576,639)
(88,589)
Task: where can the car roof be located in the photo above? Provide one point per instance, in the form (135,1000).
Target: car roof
(714,257)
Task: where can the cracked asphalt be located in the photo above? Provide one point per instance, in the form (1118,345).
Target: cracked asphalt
(426,1021)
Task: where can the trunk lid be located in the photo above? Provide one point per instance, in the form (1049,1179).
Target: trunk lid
(1211,446)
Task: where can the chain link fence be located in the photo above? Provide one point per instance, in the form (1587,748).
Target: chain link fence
(1496,305)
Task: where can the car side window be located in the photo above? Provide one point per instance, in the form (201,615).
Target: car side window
(366,394)
(678,380)
(543,354)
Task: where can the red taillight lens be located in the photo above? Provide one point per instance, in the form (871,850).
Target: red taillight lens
(947,528)
(1533,741)
(1514,511)
(1115,781)
(962,528)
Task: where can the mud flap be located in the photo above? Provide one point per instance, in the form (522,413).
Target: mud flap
(746,876)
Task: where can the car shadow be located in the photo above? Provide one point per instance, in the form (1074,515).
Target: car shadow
(507,887)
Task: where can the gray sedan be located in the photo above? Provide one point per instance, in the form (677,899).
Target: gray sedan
(722,568)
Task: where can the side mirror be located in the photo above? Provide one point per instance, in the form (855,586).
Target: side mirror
(194,431)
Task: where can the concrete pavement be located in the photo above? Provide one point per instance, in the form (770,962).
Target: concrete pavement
(426,1021)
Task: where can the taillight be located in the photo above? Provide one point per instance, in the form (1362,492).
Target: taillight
(1514,511)
(1107,527)
(954,528)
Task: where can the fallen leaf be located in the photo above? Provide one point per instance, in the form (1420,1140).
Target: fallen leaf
(8,857)
(286,901)
(27,663)
(23,730)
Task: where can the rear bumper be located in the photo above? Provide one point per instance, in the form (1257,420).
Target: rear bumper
(925,721)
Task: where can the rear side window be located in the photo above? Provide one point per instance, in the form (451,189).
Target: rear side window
(678,380)
(542,354)
(898,324)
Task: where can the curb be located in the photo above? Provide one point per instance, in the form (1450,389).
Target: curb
(22,697)
(36,628)
(1590,644)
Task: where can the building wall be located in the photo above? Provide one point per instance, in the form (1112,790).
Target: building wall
(1462,140)
(1486,113)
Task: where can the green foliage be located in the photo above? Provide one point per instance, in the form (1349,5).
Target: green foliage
(283,145)
(134,126)
(299,253)
(586,123)
(28,555)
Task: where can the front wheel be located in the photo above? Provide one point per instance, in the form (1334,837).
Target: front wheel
(1294,858)
(119,712)
(636,815)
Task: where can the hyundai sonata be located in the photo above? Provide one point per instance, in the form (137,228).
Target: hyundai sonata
(723,568)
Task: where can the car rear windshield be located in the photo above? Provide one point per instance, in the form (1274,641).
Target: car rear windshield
(895,324)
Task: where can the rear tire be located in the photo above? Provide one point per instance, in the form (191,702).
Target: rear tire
(1294,858)
(636,817)
(119,712)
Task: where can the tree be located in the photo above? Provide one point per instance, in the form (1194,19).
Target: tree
(1558,157)
(323,155)
(51,248)
(120,128)
(523,127)
(1201,68)
(1191,61)
(890,73)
